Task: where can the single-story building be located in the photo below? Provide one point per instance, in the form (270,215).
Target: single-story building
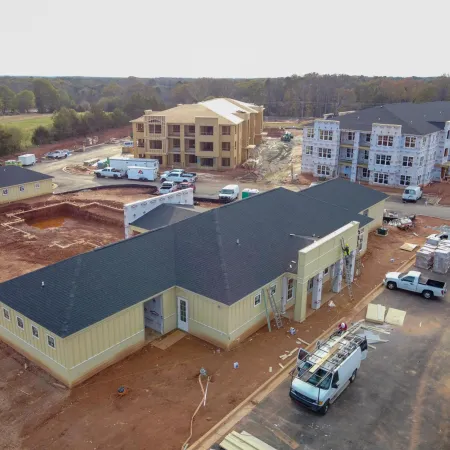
(17,183)
(209,274)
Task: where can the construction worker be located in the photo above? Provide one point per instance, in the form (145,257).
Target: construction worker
(347,250)
(343,327)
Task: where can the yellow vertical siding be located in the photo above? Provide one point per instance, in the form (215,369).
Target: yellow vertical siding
(376,213)
(36,349)
(29,191)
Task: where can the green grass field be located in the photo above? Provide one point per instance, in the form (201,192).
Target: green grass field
(27,123)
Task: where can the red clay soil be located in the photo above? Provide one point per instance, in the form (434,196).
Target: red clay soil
(103,136)
(163,385)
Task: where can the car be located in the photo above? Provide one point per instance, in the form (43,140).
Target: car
(58,154)
(178,176)
(185,185)
(167,187)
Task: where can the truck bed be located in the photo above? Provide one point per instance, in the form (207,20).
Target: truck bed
(433,283)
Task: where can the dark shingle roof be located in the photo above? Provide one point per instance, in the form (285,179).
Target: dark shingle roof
(415,118)
(13,175)
(166,214)
(224,254)
(345,194)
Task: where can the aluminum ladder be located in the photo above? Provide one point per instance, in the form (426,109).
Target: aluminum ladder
(276,313)
(347,263)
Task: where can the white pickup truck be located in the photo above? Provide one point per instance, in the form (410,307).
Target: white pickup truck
(414,281)
(109,172)
(178,176)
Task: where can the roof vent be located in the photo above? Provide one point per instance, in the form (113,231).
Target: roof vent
(42,284)
(237,242)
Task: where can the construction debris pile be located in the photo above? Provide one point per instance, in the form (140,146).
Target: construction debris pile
(434,254)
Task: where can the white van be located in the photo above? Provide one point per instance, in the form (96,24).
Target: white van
(412,194)
(229,193)
(318,385)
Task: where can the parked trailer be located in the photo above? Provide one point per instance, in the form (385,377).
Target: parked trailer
(125,163)
(142,173)
(27,160)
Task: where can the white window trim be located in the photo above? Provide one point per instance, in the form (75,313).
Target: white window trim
(17,323)
(9,314)
(310,133)
(406,182)
(408,161)
(309,150)
(273,288)
(380,175)
(21,188)
(292,290)
(37,185)
(54,340)
(410,142)
(385,137)
(32,334)
(325,135)
(386,158)
(5,191)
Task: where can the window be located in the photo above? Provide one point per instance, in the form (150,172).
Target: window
(176,143)
(381,178)
(207,162)
(349,153)
(176,158)
(365,212)
(405,180)
(368,137)
(35,331)
(409,279)
(310,132)
(257,300)
(175,128)
(37,185)
(290,289)
(386,141)
(226,146)
(225,162)
(155,145)
(5,191)
(140,143)
(191,129)
(310,284)
(408,161)
(384,160)
(191,143)
(273,289)
(19,322)
(154,129)
(309,149)
(366,154)
(51,341)
(192,159)
(140,127)
(326,270)
(325,135)
(21,188)
(6,314)
(207,146)
(206,131)
(410,142)
(324,153)
(351,136)
(323,170)
(365,172)
(226,131)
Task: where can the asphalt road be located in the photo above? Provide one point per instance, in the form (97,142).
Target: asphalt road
(208,185)
(400,399)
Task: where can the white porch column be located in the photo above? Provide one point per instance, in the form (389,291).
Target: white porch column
(317,291)
(338,267)
(284,284)
(352,264)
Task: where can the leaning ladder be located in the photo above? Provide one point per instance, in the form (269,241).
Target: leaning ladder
(347,263)
(273,305)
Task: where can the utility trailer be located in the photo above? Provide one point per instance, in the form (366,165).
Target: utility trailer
(320,377)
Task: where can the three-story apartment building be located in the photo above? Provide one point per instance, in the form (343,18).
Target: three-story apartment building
(215,134)
(397,145)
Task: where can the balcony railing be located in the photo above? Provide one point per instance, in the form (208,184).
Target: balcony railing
(175,150)
(157,151)
(190,150)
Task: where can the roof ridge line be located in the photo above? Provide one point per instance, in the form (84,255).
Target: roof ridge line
(68,310)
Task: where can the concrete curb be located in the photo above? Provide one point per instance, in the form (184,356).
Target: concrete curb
(222,428)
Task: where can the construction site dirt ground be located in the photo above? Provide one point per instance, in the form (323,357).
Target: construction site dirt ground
(36,413)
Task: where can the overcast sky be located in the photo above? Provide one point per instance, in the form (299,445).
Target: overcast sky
(232,38)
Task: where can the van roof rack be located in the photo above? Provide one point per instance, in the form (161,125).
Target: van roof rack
(329,355)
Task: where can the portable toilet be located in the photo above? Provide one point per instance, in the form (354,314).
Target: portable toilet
(249,192)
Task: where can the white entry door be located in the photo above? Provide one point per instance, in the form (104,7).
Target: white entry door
(183,314)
